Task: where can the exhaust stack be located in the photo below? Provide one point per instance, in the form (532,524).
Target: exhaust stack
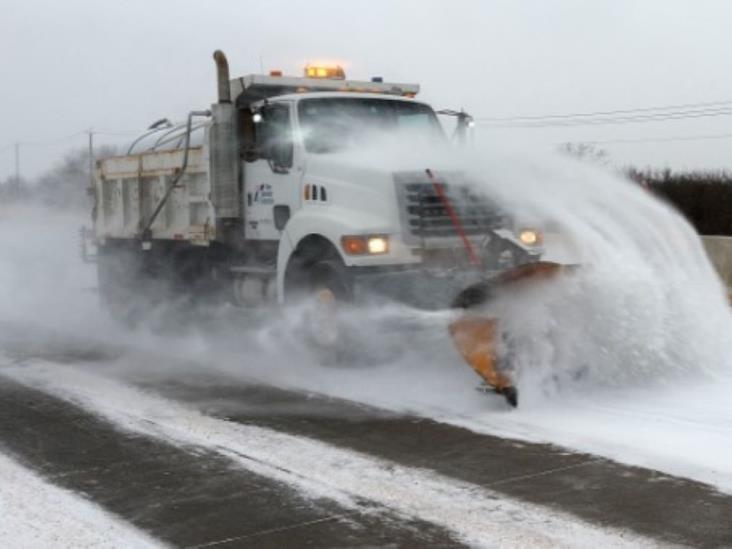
(222,76)
(224,148)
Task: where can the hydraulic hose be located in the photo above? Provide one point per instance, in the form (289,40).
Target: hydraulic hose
(440,190)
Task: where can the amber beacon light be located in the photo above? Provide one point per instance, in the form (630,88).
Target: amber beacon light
(318,71)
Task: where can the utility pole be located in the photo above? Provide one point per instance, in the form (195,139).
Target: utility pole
(91,158)
(17,164)
(464,123)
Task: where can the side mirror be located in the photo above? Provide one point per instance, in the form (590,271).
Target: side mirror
(250,150)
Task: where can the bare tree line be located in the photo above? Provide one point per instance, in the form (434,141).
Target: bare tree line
(64,186)
(703,197)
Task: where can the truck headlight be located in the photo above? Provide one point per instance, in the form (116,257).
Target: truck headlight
(363,245)
(378,245)
(530,237)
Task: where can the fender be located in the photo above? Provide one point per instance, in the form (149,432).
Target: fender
(284,251)
(331,227)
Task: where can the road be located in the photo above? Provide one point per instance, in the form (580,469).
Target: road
(201,460)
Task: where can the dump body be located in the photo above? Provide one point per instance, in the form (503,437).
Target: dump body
(129,188)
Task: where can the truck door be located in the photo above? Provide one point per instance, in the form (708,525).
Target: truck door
(272,181)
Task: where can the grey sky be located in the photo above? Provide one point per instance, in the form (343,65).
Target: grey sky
(118,65)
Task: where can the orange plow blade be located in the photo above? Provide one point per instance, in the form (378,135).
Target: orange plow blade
(475,336)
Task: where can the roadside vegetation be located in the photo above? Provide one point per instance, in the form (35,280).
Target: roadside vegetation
(64,186)
(703,197)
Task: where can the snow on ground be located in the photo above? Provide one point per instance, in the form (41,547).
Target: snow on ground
(35,513)
(683,431)
(478,516)
(679,426)
(682,428)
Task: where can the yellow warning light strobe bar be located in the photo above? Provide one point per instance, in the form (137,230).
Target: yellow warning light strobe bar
(333,73)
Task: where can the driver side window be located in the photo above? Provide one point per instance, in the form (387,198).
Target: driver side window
(274,134)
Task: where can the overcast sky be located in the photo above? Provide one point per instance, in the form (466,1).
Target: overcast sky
(116,66)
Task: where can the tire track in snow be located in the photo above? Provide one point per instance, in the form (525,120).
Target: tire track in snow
(595,489)
(35,513)
(184,495)
(478,516)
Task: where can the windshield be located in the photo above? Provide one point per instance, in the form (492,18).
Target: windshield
(333,123)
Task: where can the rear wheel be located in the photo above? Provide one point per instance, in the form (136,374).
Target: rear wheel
(119,275)
(130,289)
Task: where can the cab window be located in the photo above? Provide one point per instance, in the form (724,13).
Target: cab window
(274,134)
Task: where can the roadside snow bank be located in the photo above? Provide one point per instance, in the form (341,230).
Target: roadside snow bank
(34,513)
(685,431)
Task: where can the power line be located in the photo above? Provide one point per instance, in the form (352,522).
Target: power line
(605,113)
(660,139)
(65,138)
(118,132)
(61,140)
(49,142)
(655,117)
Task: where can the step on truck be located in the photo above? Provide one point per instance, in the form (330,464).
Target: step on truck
(263,198)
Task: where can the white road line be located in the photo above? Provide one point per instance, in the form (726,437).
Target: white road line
(478,516)
(35,513)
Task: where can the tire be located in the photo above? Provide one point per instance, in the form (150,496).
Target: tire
(331,275)
(118,274)
(127,291)
(329,293)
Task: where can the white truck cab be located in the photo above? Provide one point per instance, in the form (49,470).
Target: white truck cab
(274,193)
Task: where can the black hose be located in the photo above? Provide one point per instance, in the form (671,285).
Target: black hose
(146,234)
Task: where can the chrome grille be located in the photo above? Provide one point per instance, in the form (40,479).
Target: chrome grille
(424,216)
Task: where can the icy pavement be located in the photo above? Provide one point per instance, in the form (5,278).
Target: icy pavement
(476,515)
(190,435)
(35,513)
(682,428)
(186,496)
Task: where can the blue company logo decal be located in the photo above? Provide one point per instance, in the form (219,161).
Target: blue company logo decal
(263,194)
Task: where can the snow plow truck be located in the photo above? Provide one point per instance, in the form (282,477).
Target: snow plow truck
(250,199)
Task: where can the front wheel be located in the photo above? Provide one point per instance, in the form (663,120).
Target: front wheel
(328,296)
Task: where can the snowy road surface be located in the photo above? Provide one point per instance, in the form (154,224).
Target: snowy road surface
(35,513)
(202,460)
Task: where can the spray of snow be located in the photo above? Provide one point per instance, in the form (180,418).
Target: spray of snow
(646,306)
(43,282)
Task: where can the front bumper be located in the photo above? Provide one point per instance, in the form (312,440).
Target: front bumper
(418,287)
